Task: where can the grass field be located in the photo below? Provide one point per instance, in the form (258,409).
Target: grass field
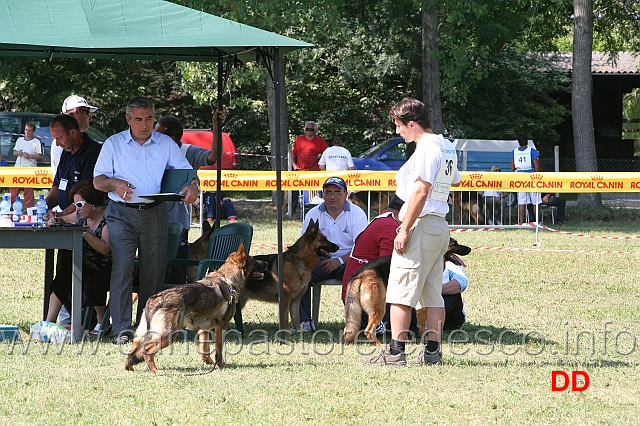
(525,306)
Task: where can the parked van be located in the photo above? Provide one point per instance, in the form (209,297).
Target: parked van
(473,154)
(203,137)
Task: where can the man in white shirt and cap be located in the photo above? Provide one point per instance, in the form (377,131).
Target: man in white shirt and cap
(77,107)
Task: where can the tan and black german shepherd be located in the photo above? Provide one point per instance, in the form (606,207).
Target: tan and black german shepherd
(299,261)
(471,201)
(367,291)
(377,200)
(205,305)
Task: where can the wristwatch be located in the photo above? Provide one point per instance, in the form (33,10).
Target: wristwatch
(340,260)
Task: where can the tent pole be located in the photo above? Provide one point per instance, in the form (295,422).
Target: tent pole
(276,82)
(219,146)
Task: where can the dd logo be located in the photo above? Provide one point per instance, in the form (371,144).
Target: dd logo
(575,386)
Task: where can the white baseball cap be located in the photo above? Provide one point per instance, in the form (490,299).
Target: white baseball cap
(75,101)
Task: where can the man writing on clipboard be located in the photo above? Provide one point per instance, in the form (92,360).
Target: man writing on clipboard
(130,166)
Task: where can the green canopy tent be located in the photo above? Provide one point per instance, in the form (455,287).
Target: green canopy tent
(143,30)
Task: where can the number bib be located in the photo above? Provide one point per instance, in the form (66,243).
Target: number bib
(522,159)
(448,166)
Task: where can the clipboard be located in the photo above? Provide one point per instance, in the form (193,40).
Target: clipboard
(174,180)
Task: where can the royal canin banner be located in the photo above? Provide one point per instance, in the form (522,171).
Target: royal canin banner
(361,180)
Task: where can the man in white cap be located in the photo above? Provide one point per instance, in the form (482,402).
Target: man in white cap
(77,107)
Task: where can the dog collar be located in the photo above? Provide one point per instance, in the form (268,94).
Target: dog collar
(233,294)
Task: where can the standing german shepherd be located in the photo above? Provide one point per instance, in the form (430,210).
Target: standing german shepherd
(299,261)
(367,291)
(205,305)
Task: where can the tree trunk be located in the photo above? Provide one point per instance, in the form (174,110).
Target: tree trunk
(430,65)
(283,137)
(581,108)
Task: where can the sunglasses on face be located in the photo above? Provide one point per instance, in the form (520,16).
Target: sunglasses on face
(332,193)
(310,129)
(80,204)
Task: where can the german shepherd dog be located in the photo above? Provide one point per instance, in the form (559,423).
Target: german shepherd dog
(205,305)
(379,200)
(471,201)
(367,291)
(299,261)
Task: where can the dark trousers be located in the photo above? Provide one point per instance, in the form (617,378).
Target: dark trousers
(316,276)
(453,321)
(560,204)
(131,230)
(227,207)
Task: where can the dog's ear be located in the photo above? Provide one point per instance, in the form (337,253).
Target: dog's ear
(240,248)
(206,226)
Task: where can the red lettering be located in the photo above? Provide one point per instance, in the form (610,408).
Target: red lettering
(554,386)
(574,377)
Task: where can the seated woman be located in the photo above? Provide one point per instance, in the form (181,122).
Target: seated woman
(96,263)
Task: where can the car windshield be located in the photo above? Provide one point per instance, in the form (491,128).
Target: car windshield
(374,150)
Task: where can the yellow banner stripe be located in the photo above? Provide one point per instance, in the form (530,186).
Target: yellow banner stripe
(361,180)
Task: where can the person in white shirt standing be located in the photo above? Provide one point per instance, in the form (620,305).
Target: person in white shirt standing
(415,279)
(28,150)
(525,159)
(337,157)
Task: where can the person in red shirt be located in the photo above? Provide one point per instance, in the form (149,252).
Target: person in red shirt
(376,240)
(306,152)
(307,149)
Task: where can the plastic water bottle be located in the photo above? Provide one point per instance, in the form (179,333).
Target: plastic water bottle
(17,210)
(41,210)
(5,208)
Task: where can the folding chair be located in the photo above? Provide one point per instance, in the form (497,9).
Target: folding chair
(222,242)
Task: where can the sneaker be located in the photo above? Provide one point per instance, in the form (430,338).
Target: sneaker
(426,359)
(120,339)
(381,328)
(308,326)
(232,219)
(385,358)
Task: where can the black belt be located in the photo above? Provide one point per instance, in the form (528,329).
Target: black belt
(140,206)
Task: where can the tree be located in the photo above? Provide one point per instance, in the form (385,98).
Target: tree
(430,65)
(584,140)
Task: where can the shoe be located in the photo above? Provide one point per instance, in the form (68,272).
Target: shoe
(560,222)
(381,328)
(426,359)
(232,219)
(96,332)
(120,339)
(308,326)
(385,358)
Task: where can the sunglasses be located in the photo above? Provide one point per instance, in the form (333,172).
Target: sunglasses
(310,129)
(80,204)
(332,193)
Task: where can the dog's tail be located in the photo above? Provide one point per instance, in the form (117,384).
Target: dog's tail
(352,312)
(135,353)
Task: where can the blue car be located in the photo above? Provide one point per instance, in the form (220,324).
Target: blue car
(388,155)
